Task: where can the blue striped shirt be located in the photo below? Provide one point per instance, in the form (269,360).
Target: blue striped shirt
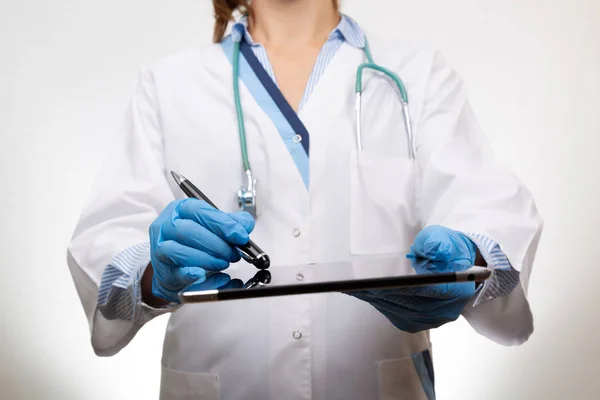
(119,295)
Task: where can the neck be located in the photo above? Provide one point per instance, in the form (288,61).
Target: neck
(293,22)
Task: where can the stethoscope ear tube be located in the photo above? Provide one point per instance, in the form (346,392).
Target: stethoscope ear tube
(409,133)
(358,121)
(403,94)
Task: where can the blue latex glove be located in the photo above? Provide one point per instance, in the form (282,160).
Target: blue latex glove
(190,238)
(436,249)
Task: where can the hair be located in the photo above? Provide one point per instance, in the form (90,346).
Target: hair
(224,14)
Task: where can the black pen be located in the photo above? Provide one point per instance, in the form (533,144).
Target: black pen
(250,251)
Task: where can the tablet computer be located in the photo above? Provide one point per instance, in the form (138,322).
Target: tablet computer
(243,281)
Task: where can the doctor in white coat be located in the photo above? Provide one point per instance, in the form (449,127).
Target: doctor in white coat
(442,197)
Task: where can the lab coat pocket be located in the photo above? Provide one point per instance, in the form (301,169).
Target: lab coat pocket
(407,378)
(383,217)
(180,385)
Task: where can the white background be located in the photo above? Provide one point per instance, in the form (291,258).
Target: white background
(66,72)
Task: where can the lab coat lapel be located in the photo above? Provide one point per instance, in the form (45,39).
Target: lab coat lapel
(266,94)
(278,98)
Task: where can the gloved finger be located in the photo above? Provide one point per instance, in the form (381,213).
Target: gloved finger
(434,243)
(404,298)
(218,222)
(448,303)
(386,298)
(425,266)
(165,213)
(160,292)
(192,234)
(430,297)
(416,253)
(179,277)
(389,306)
(361,295)
(175,253)
(421,265)
(448,291)
(453,266)
(245,219)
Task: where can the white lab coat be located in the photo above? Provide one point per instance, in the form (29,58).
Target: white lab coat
(182,118)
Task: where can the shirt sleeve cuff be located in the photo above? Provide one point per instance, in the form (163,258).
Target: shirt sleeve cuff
(143,312)
(504,277)
(120,294)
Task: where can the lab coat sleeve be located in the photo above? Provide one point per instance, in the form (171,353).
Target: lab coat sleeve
(464,186)
(128,194)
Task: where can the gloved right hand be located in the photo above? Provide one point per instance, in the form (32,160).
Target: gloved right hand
(190,238)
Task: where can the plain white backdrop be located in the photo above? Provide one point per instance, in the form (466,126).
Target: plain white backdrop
(66,72)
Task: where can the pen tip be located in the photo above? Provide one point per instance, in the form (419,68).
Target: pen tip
(178,178)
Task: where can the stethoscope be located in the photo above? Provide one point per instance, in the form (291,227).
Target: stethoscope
(247,197)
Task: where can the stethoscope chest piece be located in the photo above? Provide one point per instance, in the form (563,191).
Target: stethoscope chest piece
(247,198)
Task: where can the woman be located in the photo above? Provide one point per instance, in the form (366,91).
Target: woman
(321,199)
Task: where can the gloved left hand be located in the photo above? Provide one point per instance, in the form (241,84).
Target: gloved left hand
(436,249)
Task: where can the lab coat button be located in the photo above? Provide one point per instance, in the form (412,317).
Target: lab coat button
(300,277)
(297,335)
(297,139)
(296,232)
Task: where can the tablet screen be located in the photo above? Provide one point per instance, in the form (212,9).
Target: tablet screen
(321,277)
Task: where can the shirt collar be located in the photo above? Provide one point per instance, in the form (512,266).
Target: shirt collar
(347,30)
